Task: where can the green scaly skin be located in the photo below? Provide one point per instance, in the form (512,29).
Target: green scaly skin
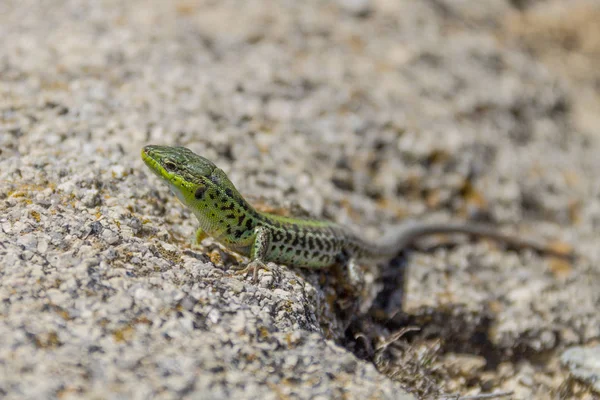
(227,217)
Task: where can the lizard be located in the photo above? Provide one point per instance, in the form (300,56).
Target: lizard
(225,215)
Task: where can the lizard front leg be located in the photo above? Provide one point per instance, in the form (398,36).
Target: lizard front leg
(258,252)
(200,236)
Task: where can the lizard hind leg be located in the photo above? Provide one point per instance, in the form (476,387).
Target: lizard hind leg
(355,273)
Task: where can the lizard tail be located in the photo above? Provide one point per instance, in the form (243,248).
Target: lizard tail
(410,231)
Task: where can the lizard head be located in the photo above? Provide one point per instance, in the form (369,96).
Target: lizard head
(180,168)
(192,178)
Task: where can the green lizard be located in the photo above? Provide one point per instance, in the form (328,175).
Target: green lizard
(303,242)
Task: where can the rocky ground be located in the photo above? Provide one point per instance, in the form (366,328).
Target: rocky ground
(364,112)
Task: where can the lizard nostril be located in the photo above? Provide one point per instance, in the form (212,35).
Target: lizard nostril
(147,149)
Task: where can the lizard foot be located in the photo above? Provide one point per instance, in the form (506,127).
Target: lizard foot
(355,273)
(253,266)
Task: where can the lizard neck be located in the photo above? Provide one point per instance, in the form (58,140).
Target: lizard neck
(224,214)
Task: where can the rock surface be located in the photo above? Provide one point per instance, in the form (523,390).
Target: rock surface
(584,364)
(366,112)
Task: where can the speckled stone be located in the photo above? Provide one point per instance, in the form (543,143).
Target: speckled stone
(584,364)
(362,111)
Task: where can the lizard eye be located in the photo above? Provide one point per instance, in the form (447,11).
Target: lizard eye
(170,165)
